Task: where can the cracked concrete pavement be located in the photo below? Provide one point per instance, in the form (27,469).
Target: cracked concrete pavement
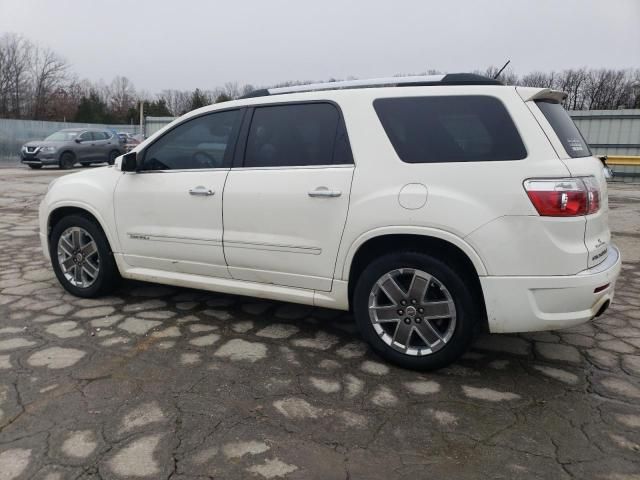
(159,382)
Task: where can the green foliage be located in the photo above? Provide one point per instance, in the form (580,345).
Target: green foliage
(92,109)
(199,99)
(157,108)
(223,97)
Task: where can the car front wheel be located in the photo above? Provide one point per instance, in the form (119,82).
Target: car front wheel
(415,310)
(67,160)
(113,154)
(81,257)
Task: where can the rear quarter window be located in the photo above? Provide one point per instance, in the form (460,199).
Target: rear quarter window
(566,131)
(466,128)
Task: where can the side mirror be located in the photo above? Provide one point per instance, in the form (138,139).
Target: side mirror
(129,162)
(78,140)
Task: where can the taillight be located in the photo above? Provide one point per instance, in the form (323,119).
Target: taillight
(564,197)
(593,194)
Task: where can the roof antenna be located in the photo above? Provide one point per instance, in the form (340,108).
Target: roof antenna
(501,70)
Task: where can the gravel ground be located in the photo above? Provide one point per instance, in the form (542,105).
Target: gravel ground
(161,382)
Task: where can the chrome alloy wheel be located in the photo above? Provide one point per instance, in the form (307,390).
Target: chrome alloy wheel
(412,311)
(78,257)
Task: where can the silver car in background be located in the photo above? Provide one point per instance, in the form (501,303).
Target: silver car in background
(67,147)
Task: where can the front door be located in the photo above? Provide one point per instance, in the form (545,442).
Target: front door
(285,207)
(103,145)
(169,214)
(85,148)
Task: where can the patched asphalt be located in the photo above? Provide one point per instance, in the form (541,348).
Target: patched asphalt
(160,382)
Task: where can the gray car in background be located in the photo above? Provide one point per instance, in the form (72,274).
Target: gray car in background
(67,147)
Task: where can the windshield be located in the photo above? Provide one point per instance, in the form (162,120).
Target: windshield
(62,136)
(567,132)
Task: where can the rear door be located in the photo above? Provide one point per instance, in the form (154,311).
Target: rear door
(574,151)
(285,204)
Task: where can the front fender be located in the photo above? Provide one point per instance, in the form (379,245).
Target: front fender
(91,191)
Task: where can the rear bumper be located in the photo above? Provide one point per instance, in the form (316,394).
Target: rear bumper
(526,304)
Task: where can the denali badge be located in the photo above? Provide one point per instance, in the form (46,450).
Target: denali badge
(138,236)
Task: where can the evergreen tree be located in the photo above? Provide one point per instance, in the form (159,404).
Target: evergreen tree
(223,97)
(92,109)
(199,99)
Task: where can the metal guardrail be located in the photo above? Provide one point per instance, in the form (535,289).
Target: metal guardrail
(623,160)
(625,168)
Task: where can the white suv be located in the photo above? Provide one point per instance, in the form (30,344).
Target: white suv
(432,207)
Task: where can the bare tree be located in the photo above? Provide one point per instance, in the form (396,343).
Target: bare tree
(14,75)
(507,76)
(49,72)
(539,80)
(121,96)
(177,101)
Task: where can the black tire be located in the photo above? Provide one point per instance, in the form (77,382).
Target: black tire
(67,160)
(34,166)
(113,154)
(108,275)
(466,310)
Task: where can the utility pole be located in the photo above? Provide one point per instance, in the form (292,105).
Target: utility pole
(142,118)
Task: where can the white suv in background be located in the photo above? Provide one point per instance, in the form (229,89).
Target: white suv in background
(432,207)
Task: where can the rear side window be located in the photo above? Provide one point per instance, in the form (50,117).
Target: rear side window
(297,135)
(469,128)
(567,132)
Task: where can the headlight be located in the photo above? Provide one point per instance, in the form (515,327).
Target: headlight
(48,149)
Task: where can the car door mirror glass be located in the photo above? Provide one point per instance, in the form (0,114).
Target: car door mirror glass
(129,162)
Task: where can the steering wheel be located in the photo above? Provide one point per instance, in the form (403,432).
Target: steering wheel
(204,159)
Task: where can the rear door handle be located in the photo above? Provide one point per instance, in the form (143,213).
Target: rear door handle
(324,192)
(200,190)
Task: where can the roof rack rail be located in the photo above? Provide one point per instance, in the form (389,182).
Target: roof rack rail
(412,81)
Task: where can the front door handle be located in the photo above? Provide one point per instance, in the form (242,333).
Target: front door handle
(200,190)
(324,192)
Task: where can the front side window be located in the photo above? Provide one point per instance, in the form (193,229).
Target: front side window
(99,135)
(62,136)
(292,135)
(202,142)
(85,137)
(466,128)
(565,129)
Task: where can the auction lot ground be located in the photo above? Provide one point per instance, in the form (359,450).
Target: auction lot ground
(162,382)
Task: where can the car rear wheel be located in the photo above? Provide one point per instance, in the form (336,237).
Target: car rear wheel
(81,257)
(67,160)
(34,166)
(415,310)
(113,154)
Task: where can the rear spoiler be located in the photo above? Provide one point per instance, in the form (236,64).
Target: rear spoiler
(529,94)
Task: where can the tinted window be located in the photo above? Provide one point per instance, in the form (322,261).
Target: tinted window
(63,135)
(85,137)
(297,135)
(450,129)
(99,135)
(199,143)
(565,129)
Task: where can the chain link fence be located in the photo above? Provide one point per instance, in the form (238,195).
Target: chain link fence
(15,133)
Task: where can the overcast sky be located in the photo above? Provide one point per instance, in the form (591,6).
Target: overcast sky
(186,44)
